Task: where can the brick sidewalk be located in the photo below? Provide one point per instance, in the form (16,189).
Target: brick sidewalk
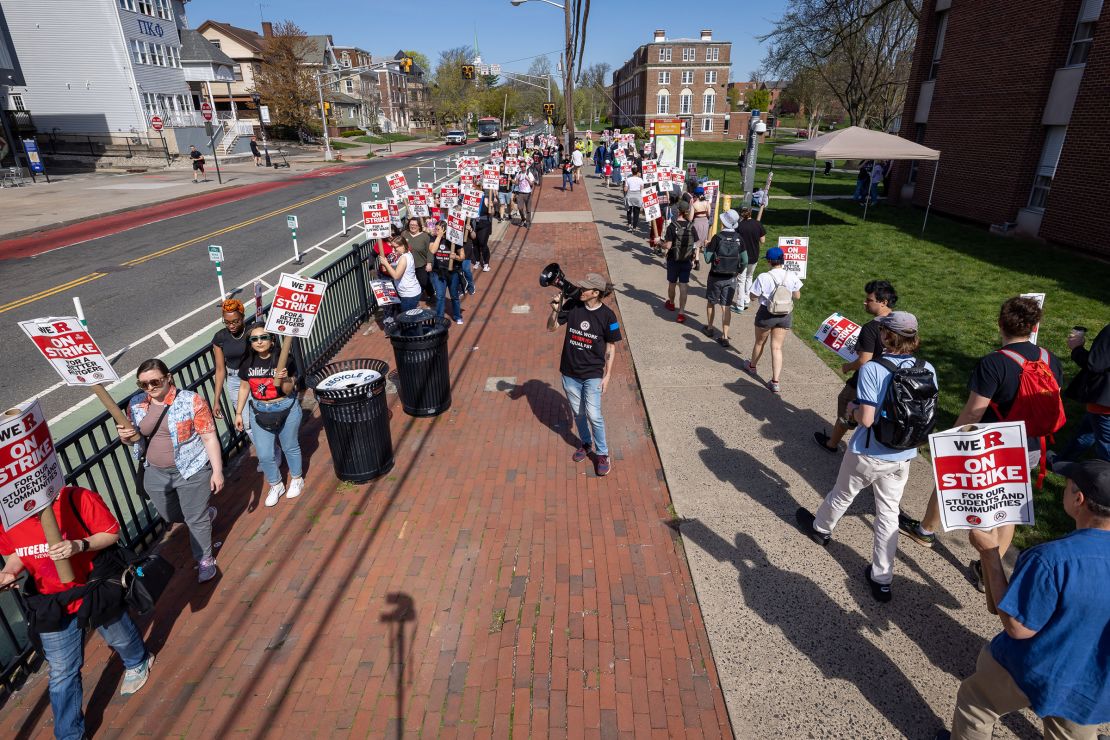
(544,600)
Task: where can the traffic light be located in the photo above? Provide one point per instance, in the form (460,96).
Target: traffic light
(549,109)
(406,64)
(468,71)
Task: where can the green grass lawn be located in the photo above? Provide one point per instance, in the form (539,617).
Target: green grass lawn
(340,144)
(385,138)
(954,280)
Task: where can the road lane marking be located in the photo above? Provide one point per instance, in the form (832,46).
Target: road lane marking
(51,291)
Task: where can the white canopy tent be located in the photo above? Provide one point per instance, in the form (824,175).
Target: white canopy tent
(859,143)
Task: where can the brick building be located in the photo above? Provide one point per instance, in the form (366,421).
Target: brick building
(684,78)
(1027,149)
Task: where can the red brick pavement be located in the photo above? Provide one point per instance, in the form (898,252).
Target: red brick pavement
(545,601)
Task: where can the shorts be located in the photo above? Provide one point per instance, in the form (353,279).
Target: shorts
(198,164)
(504,198)
(679,272)
(847,395)
(720,290)
(764,319)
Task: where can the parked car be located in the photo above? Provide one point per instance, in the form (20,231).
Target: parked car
(456,137)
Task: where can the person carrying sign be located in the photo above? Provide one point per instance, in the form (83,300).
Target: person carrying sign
(1055,614)
(879,455)
(446,266)
(418,242)
(753,236)
(87,528)
(1000,390)
(776,290)
(401,268)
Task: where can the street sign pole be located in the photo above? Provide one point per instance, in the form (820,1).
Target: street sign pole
(343,211)
(220,280)
(291,222)
(216,254)
(80,312)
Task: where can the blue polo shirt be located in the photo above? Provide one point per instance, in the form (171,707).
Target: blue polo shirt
(1059,589)
(871,388)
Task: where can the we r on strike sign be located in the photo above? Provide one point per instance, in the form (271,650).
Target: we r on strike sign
(296,304)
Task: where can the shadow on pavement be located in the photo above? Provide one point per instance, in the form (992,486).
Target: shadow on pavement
(549,406)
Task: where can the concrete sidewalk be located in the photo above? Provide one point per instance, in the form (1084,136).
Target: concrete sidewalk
(801,647)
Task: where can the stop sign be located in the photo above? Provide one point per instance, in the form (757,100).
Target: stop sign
(156,123)
(206,111)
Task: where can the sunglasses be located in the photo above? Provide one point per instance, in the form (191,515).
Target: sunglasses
(260,337)
(151,385)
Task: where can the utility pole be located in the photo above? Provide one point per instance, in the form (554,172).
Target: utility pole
(568,90)
(329,155)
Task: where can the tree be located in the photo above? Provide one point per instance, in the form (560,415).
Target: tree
(859,49)
(733,96)
(420,60)
(283,82)
(452,96)
(595,98)
(758,100)
(812,97)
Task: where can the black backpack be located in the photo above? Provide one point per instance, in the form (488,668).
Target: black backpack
(683,246)
(730,256)
(909,410)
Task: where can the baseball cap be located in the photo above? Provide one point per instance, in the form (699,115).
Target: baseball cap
(699,190)
(593,281)
(774,254)
(902,323)
(1092,477)
(729,219)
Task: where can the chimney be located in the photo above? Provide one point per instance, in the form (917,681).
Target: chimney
(707,34)
(267,29)
(660,35)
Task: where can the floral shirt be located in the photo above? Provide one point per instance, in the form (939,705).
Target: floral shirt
(188,418)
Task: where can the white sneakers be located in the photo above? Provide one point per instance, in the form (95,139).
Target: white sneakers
(296,488)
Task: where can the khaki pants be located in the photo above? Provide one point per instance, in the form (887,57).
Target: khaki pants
(989,693)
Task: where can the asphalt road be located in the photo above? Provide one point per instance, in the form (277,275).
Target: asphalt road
(136,283)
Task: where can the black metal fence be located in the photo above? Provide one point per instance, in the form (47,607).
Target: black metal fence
(102,145)
(94,457)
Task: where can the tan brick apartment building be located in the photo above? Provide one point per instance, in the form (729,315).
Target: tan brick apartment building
(1026,149)
(684,78)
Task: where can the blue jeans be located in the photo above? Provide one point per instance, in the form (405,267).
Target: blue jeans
(264,440)
(468,283)
(568,180)
(443,284)
(585,404)
(408,304)
(1094,429)
(65,652)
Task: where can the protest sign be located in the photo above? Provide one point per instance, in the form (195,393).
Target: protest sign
(385,292)
(30,476)
(626,169)
(394,212)
(471,203)
(375,219)
(398,184)
(711,188)
(296,304)
(466,181)
(512,165)
(418,204)
(512,149)
(651,203)
(1039,298)
(982,476)
(795,250)
(496,154)
(448,195)
(840,335)
(649,171)
(456,225)
(490,177)
(70,349)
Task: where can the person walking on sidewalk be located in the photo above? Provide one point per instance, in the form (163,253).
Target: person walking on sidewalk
(577,159)
(776,291)
(173,436)
(567,168)
(275,412)
(255,153)
(752,236)
(88,528)
(419,242)
(727,258)
(681,244)
(586,364)
(229,347)
(1091,387)
(198,164)
(1055,611)
(869,462)
(879,301)
(446,273)
(402,271)
(483,229)
(699,216)
(522,187)
(633,199)
(504,195)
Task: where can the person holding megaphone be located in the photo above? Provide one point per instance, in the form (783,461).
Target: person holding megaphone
(587,360)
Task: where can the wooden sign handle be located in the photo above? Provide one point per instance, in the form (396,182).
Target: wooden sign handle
(113,408)
(53,537)
(283,356)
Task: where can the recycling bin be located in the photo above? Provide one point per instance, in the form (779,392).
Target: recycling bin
(423,373)
(351,395)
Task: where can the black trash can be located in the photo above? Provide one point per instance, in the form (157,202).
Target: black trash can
(351,394)
(423,374)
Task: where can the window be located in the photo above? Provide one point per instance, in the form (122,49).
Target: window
(1081,43)
(707,125)
(174,56)
(127,5)
(157,54)
(162,9)
(146,6)
(938,47)
(688,77)
(663,102)
(136,51)
(1046,168)
(350,86)
(664,78)
(919,137)
(712,54)
(237,71)
(711,77)
(665,54)
(17,102)
(685,102)
(214,42)
(726,126)
(346,60)
(689,54)
(708,102)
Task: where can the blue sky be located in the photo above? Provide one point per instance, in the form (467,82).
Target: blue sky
(506,35)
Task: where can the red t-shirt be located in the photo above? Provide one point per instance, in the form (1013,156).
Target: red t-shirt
(28,542)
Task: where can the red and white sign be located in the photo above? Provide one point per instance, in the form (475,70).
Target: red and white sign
(456,225)
(30,476)
(471,203)
(418,204)
(206,110)
(512,149)
(496,154)
(512,165)
(650,171)
(651,203)
(394,211)
(982,477)
(840,335)
(466,181)
(490,177)
(375,219)
(795,250)
(448,195)
(385,292)
(296,304)
(626,168)
(69,348)
(156,123)
(711,188)
(398,184)
(1039,298)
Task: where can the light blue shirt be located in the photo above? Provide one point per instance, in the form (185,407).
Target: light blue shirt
(874,380)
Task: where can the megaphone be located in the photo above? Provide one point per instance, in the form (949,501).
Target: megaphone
(553,276)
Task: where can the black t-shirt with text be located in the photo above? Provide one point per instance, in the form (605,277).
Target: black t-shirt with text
(442,256)
(751,231)
(588,334)
(259,374)
(998,378)
(869,340)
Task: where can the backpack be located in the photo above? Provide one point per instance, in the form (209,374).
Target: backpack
(684,244)
(909,409)
(1038,402)
(781,300)
(730,256)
